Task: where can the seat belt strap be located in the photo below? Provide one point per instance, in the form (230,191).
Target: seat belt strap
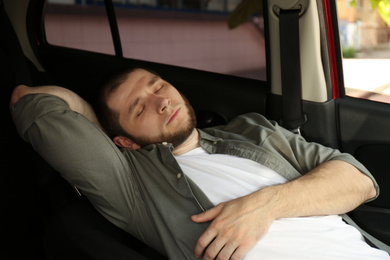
(292,112)
(371,240)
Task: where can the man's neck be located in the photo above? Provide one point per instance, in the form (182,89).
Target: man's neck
(190,143)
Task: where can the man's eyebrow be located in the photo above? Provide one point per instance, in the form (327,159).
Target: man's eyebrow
(153,80)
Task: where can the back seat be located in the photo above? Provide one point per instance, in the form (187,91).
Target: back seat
(21,208)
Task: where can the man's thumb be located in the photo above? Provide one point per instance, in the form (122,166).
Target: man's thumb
(207,215)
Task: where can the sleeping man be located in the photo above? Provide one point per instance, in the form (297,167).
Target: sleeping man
(246,190)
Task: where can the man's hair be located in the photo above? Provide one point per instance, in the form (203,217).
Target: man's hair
(108,118)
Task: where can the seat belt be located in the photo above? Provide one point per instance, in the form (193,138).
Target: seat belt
(371,240)
(293,116)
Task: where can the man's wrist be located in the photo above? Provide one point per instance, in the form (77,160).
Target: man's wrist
(269,201)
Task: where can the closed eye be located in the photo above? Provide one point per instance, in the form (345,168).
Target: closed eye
(160,88)
(140,112)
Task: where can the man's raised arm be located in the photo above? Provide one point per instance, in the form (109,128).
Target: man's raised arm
(63,129)
(74,101)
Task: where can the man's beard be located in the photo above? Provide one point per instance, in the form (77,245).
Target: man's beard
(175,138)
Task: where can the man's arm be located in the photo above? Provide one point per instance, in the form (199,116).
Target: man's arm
(334,187)
(74,101)
(57,123)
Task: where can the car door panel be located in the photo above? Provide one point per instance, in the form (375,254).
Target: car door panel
(364,132)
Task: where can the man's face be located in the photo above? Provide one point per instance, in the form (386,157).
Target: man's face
(151,110)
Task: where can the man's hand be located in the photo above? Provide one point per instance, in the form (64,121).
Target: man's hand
(236,227)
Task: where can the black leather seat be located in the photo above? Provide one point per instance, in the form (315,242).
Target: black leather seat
(41,216)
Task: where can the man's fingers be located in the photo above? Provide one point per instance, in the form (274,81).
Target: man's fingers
(221,249)
(209,235)
(239,253)
(203,242)
(227,251)
(207,215)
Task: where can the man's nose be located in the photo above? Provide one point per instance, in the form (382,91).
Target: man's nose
(162,104)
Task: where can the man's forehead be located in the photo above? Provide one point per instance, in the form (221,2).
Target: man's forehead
(141,78)
(135,82)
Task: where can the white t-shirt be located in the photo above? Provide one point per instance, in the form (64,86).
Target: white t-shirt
(225,177)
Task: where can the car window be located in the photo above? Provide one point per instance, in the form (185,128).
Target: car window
(193,34)
(365,40)
(78,24)
(186,33)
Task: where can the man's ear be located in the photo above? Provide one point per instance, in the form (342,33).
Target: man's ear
(125,143)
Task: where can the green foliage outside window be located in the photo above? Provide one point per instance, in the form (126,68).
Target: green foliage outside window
(383,8)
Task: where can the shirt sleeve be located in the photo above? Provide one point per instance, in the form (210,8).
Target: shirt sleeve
(81,152)
(303,156)
(309,155)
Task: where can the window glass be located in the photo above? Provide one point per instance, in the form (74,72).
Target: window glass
(365,39)
(193,34)
(79,24)
(187,33)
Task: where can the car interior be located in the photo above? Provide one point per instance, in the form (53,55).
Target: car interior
(45,217)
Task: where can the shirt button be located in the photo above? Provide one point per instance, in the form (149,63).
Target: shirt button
(164,143)
(215,142)
(178,175)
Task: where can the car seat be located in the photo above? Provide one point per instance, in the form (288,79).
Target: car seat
(42,217)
